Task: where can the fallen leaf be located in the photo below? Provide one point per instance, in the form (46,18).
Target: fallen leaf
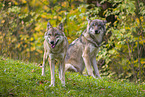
(69,79)
(33,70)
(45,81)
(40,65)
(41,82)
(11,94)
(102,89)
(74,84)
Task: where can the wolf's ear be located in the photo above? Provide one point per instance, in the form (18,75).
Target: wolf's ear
(60,26)
(88,26)
(48,25)
(89,21)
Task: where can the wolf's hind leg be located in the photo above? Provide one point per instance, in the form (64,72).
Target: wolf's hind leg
(70,67)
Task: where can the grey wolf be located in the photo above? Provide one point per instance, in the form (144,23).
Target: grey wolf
(82,51)
(55,48)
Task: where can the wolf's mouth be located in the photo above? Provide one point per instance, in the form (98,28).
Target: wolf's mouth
(54,44)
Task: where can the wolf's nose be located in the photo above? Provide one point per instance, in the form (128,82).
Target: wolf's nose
(51,42)
(96,32)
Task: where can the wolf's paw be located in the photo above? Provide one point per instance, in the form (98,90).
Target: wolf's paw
(51,85)
(43,74)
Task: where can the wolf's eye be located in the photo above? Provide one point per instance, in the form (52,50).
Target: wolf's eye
(92,27)
(56,35)
(95,24)
(99,27)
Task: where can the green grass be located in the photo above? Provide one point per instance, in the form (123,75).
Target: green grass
(24,79)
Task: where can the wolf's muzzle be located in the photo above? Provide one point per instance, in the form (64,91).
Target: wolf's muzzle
(53,44)
(97,32)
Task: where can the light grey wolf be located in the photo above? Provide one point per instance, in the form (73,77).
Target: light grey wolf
(55,48)
(82,51)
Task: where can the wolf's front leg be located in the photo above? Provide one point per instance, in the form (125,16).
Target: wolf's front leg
(87,61)
(94,63)
(52,69)
(43,65)
(62,72)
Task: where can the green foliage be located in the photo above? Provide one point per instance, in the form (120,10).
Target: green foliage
(126,58)
(24,79)
(17,29)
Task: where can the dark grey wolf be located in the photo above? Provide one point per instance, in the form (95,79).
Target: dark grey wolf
(55,48)
(82,51)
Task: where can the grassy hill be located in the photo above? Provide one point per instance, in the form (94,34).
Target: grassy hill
(24,79)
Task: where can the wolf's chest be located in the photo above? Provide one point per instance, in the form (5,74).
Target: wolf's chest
(94,50)
(56,56)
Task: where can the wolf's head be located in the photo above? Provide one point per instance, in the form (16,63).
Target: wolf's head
(96,28)
(54,35)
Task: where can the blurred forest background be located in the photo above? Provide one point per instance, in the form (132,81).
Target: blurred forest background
(23,24)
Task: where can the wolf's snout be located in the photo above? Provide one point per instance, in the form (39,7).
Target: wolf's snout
(96,32)
(51,42)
